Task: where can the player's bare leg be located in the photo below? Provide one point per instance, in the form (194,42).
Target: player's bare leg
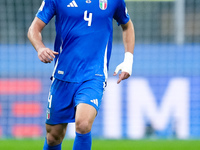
(85,115)
(55,133)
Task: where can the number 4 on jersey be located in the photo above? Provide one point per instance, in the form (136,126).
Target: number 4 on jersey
(89,19)
(50,100)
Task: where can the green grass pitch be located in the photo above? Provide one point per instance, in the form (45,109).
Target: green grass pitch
(30,144)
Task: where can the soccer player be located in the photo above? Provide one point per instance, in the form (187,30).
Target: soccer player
(81,52)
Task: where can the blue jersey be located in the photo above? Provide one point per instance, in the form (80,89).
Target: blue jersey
(83,35)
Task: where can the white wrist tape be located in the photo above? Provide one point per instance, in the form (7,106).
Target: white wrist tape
(126,65)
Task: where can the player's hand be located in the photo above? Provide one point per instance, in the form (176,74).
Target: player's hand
(125,67)
(124,75)
(46,55)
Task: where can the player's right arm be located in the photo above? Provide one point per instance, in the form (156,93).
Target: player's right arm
(45,54)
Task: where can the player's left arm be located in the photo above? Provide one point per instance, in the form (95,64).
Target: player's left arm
(129,42)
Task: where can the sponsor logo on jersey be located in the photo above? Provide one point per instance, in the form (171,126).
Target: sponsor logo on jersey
(72,4)
(100,75)
(60,72)
(88,1)
(103,4)
(95,101)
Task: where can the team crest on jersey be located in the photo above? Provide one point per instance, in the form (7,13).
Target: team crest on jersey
(48,114)
(103,4)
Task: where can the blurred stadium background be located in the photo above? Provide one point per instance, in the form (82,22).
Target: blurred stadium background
(160,100)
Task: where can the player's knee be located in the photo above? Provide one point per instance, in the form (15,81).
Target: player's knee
(53,139)
(83,127)
(54,135)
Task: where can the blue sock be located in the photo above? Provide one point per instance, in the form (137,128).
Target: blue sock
(47,147)
(82,141)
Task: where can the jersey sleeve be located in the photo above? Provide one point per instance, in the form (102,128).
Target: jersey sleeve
(46,11)
(121,15)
